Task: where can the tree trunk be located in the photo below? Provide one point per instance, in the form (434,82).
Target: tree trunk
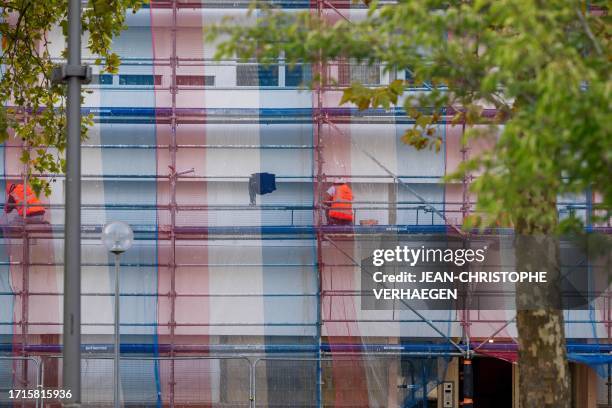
(543,369)
(544,378)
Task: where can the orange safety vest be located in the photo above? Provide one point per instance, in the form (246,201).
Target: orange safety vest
(33,203)
(341,207)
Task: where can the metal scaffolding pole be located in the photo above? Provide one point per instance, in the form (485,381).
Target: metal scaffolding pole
(173,204)
(318,179)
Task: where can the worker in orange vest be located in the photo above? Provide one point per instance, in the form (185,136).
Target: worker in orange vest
(340,199)
(28,202)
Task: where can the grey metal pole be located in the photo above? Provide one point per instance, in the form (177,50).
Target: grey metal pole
(72,233)
(116,373)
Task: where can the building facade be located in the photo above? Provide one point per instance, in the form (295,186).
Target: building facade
(224,302)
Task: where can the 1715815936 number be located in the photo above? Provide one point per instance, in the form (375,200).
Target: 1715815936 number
(40,393)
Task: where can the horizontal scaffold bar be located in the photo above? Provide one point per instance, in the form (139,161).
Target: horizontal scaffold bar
(159,115)
(153,232)
(413,347)
(142,231)
(245,4)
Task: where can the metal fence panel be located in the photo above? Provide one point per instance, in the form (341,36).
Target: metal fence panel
(286,382)
(218,382)
(160,381)
(20,373)
(345,381)
(357,382)
(339,381)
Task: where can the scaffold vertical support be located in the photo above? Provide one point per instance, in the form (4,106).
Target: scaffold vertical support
(465,181)
(173,204)
(318,203)
(318,214)
(468,383)
(25,266)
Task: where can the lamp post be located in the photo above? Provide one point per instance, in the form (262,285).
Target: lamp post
(72,73)
(117,236)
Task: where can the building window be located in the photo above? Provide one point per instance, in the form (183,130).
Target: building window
(362,73)
(105,79)
(413,84)
(409,76)
(195,80)
(256,75)
(140,79)
(299,75)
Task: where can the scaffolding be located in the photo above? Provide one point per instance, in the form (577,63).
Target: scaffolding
(201,223)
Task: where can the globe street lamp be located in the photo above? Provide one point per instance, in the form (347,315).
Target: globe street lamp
(117,237)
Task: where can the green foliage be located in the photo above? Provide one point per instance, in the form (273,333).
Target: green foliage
(3,125)
(31,107)
(543,67)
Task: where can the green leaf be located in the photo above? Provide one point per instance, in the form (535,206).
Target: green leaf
(3,125)
(397,86)
(24,80)
(423,121)
(25,156)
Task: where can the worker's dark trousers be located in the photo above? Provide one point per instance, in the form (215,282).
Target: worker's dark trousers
(337,221)
(15,219)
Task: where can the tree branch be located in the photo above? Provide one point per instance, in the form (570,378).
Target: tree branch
(588,31)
